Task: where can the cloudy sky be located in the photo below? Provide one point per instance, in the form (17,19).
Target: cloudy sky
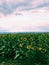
(24,15)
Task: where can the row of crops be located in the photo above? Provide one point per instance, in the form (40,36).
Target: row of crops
(24,49)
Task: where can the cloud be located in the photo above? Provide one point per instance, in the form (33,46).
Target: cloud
(27,23)
(43,28)
(9,6)
(41,3)
(24,15)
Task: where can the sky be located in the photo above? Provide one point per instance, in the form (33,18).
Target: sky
(24,15)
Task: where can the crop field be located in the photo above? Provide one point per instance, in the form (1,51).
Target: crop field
(24,49)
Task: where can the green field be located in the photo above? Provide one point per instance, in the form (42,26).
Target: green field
(24,49)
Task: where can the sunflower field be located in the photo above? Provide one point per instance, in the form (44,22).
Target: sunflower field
(24,49)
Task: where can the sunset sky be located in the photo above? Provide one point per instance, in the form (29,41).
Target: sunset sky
(24,15)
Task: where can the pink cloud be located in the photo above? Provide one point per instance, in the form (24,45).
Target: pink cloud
(36,3)
(1,1)
(2,15)
(45,23)
(21,9)
(27,22)
(13,1)
(31,5)
(46,8)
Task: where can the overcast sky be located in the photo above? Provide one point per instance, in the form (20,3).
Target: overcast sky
(24,15)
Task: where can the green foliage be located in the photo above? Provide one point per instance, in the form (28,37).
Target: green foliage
(25,49)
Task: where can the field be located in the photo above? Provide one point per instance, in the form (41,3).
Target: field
(24,49)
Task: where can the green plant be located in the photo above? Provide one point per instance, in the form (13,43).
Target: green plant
(24,49)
